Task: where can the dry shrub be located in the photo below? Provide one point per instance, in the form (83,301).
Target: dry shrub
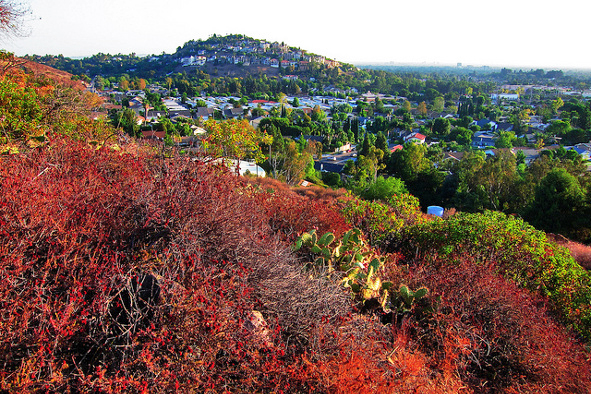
(449,212)
(321,193)
(290,214)
(367,357)
(81,226)
(580,252)
(497,336)
(78,225)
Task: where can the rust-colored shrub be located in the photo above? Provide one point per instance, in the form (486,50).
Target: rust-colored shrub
(498,336)
(83,229)
(79,225)
(580,252)
(290,213)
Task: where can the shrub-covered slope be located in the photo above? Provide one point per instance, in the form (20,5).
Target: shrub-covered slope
(124,271)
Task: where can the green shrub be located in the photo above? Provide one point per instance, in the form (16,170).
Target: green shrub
(518,251)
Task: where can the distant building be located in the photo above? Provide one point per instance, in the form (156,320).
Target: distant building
(505,96)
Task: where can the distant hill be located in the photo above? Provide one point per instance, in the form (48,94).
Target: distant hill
(231,55)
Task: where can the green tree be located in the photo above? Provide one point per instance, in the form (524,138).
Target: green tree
(318,115)
(557,104)
(422,109)
(368,167)
(438,104)
(559,204)
(406,106)
(506,139)
(234,138)
(461,135)
(382,143)
(127,120)
(441,127)
(365,145)
(408,162)
(384,188)
(558,128)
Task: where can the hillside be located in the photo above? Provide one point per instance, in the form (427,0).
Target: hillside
(125,272)
(60,77)
(128,267)
(39,102)
(218,56)
(11,64)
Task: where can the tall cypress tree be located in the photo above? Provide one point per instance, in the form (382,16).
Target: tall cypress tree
(355,129)
(365,146)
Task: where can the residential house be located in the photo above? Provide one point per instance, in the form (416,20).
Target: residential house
(583,149)
(331,63)
(344,148)
(530,154)
(180,113)
(486,124)
(198,130)
(256,121)
(136,103)
(155,115)
(483,139)
(189,141)
(315,138)
(455,156)
(233,113)
(505,96)
(505,126)
(306,110)
(417,138)
(304,65)
(329,167)
(153,135)
(203,112)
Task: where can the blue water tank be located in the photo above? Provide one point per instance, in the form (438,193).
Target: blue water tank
(435,210)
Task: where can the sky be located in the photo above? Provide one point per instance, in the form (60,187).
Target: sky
(511,33)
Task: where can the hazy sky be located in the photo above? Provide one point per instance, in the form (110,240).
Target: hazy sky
(527,33)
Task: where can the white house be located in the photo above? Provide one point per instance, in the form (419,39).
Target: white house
(417,138)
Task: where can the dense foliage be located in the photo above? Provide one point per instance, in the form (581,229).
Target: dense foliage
(34,108)
(513,248)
